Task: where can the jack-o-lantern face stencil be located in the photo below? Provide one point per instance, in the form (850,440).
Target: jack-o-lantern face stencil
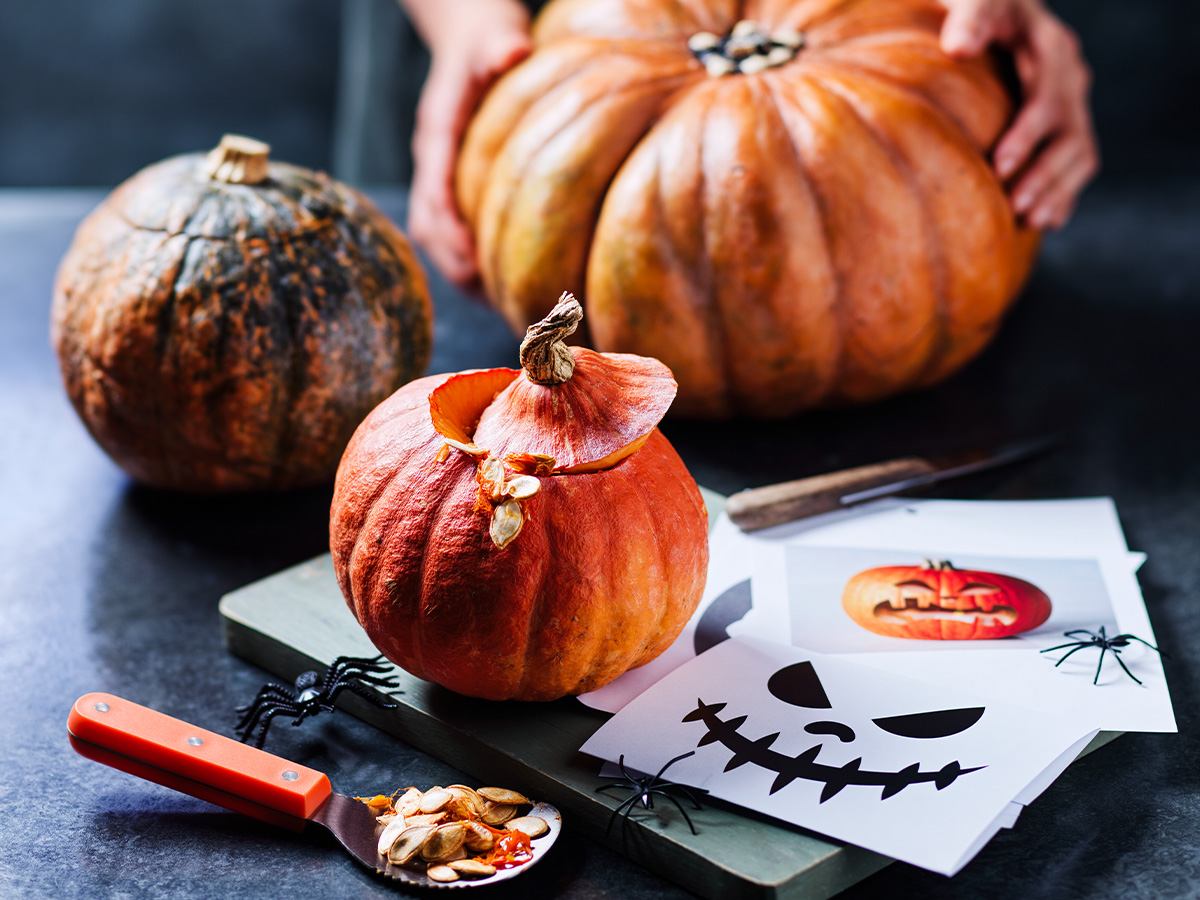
(936,601)
(846,749)
(800,685)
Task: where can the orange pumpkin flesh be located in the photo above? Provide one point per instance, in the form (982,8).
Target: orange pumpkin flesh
(602,574)
(824,231)
(935,601)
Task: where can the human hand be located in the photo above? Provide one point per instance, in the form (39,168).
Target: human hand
(470,48)
(1049,153)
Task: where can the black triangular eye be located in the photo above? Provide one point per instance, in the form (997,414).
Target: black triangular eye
(937,724)
(799,685)
(731,606)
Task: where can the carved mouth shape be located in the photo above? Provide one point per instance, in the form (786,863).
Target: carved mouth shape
(805,766)
(913,610)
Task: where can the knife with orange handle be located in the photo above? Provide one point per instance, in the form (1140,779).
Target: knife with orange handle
(775,504)
(171,752)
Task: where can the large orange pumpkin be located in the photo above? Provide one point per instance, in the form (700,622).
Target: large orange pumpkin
(224,322)
(522,534)
(935,601)
(797,192)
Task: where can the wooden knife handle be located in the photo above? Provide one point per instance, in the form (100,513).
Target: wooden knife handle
(775,504)
(189,759)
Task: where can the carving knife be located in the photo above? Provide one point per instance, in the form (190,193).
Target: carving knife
(775,504)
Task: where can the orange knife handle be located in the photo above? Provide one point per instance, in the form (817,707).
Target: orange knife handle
(775,504)
(201,758)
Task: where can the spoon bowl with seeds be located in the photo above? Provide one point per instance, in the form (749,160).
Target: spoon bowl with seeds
(459,836)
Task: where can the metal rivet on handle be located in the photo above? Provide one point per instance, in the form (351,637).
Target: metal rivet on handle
(102,707)
(195,741)
(290,776)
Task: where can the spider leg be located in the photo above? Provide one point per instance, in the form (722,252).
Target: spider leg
(269,691)
(1117,654)
(265,723)
(671,762)
(1103,650)
(1076,650)
(1134,637)
(623,807)
(254,719)
(1090,634)
(361,692)
(678,806)
(1076,644)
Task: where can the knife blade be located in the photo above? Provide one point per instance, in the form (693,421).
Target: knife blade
(774,504)
(168,751)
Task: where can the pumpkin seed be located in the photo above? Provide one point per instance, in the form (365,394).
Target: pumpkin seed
(473,868)
(498,813)
(504,795)
(522,487)
(442,874)
(409,844)
(426,819)
(435,800)
(409,803)
(507,520)
(444,841)
(703,41)
(390,832)
(479,838)
(530,826)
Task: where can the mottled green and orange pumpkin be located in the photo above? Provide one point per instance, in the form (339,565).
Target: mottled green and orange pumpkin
(789,202)
(224,322)
(935,601)
(522,534)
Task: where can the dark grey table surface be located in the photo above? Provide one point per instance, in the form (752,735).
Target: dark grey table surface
(108,586)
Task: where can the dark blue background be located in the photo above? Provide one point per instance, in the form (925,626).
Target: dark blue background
(92,91)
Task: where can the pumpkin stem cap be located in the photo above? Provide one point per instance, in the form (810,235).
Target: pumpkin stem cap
(239,160)
(545,357)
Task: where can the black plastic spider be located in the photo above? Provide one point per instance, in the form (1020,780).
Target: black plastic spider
(1115,643)
(643,790)
(312,694)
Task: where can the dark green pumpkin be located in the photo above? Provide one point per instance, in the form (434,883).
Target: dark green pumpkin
(224,323)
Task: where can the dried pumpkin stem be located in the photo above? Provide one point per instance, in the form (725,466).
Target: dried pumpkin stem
(544,354)
(748,49)
(239,160)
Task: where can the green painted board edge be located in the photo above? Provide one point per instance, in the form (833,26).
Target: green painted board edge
(296,620)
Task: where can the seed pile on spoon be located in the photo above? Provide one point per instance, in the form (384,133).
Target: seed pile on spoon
(456,832)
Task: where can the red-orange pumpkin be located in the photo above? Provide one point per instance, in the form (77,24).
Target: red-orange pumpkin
(522,534)
(815,223)
(224,322)
(935,601)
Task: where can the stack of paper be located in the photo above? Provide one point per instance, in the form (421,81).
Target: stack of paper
(917,748)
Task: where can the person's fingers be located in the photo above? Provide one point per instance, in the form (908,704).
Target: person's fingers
(969,27)
(1045,195)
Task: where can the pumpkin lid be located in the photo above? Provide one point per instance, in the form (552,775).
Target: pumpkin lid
(570,409)
(234,191)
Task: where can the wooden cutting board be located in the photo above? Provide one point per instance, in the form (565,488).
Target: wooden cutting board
(297,620)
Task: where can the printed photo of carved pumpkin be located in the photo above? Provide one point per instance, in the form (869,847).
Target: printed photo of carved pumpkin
(935,601)
(223,322)
(797,193)
(522,534)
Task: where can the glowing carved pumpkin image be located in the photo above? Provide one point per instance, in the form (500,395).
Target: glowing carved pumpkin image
(935,601)
(522,534)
